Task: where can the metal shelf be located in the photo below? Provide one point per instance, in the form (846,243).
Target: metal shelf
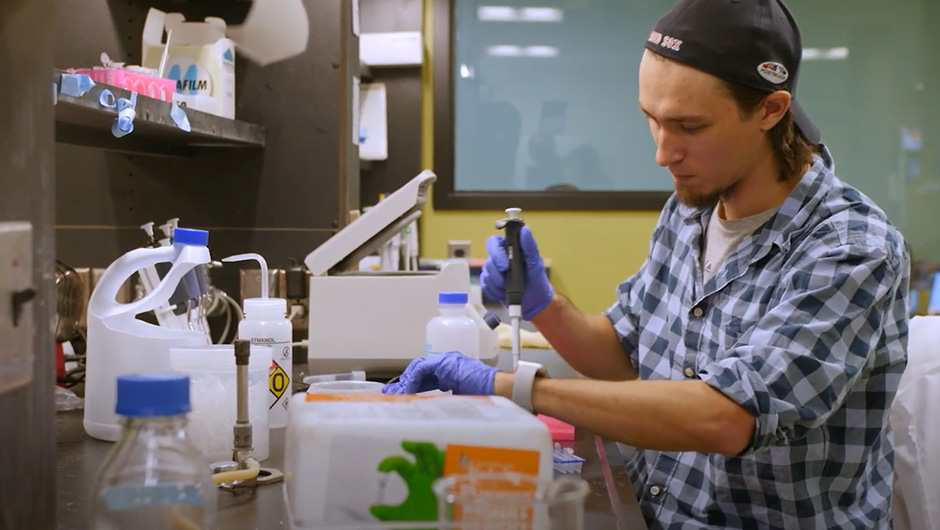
(83,121)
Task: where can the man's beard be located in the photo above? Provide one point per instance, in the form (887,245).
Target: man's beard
(704,200)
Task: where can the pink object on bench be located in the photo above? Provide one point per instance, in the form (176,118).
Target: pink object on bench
(146,85)
(560,431)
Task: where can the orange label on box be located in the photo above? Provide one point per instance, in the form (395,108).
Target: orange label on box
(465,459)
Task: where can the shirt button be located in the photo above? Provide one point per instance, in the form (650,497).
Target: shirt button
(689,372)
(698,312)
(654,491)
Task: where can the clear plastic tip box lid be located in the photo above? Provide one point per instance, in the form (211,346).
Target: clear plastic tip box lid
(361,457)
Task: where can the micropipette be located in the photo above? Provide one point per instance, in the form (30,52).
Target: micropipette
(515,276)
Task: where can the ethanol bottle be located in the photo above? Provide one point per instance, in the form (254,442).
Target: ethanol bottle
(154,478)
(453,329)
(266,323)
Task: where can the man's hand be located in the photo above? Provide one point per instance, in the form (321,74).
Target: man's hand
(538,291)
(450,371)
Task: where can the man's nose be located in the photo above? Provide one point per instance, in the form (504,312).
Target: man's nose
(668,150)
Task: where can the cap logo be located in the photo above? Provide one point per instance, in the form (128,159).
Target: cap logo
(776,73)
(665,41)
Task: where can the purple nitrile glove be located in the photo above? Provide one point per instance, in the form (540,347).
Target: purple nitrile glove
(450,371)
(538,291)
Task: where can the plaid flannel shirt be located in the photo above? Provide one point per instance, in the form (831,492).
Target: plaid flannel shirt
(805,326)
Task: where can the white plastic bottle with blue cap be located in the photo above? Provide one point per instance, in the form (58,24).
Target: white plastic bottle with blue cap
(154,477)
(118,342)
(453,329)
(266,323)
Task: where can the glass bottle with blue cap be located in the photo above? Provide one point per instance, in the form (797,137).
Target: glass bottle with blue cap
(154,478)
(453,329)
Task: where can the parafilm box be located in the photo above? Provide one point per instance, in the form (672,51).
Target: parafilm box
(200,59)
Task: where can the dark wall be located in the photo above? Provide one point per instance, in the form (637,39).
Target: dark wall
(27,180)
(403,90)
(281,201)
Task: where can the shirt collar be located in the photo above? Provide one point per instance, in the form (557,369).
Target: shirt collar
(796,210)
(799,207)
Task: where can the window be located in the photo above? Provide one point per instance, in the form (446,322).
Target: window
(533,104)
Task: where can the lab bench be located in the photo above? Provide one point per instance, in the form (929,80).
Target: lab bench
(611,503)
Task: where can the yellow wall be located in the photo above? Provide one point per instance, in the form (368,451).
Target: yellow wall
(591,251)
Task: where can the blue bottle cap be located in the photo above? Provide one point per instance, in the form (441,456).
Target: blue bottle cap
(150,395)
(189,236)
(452,298)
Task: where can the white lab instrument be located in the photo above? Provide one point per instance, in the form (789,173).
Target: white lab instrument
(377,321)
(119,343)
(266,323)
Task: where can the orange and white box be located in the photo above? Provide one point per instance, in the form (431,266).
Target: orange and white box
(374,457)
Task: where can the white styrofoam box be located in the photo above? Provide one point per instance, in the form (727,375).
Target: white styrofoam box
(345,453)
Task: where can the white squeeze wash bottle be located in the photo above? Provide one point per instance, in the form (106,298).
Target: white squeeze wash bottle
(266,323)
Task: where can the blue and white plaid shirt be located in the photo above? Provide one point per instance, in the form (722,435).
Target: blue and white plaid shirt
(805,326)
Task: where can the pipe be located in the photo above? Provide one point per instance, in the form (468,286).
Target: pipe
(249,472)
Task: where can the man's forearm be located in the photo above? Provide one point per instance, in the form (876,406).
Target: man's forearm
(587,342)
(658,415)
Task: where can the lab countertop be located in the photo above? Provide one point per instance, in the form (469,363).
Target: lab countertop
(611,503)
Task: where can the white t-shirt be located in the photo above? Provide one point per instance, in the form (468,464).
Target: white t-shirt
(722,237)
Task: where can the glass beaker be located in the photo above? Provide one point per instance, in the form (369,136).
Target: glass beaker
(510,501)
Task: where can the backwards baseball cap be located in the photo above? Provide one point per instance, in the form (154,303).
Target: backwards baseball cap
(755,43)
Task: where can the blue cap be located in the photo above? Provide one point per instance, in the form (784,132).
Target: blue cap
(452,298)
(150,395)
(188,236)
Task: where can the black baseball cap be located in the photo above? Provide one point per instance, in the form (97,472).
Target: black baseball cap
(755,43)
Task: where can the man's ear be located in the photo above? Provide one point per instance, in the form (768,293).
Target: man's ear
(773,109)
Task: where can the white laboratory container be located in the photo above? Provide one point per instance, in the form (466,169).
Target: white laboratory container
(266,324)
(453,329)
(214,396)
(356,458)
(118,342)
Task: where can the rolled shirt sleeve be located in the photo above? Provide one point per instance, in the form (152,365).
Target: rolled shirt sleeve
(797,365)
(623,315)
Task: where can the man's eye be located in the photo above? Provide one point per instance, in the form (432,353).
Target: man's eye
(691,128)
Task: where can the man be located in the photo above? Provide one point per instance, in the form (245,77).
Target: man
(754,357)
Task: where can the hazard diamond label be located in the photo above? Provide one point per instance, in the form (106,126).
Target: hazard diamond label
(278,381)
